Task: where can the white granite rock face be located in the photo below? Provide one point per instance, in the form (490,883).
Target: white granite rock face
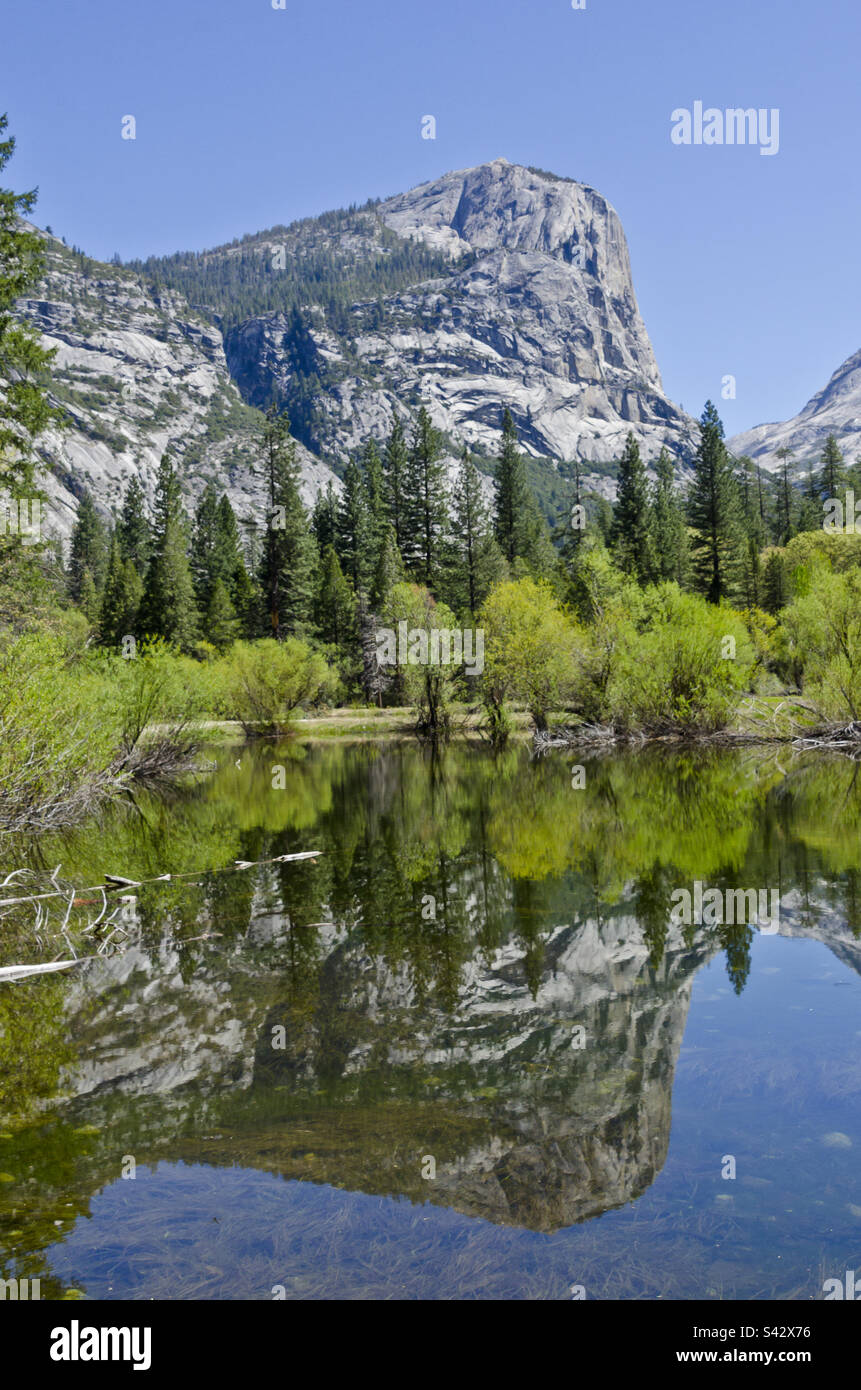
(544,321)
(836,409)
(139,372)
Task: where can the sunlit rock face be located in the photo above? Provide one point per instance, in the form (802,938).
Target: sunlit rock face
(532,309)
(537,315)
(836,409)
(138,372)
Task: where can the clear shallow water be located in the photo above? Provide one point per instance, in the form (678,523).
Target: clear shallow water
(416,994)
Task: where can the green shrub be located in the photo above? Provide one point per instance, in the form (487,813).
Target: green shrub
(823,635)
(687,668)
(59,731)
(265,682)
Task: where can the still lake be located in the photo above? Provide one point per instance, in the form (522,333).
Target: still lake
(464,1054)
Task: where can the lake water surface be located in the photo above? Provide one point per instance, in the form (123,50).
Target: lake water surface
(465,1053)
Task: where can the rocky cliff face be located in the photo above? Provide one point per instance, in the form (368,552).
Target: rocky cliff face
(138,372)
(493,287)
(538,314)
(836,409)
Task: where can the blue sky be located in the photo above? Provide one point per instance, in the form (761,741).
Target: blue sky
(247,116)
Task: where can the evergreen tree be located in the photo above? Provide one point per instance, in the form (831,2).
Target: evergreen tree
(810,515)
(833,478)
(288,559)
(354,530)
(396,484)
(88,553)
(669,532)
(121,599)
(221,623)
(519,529)
(427,488)
(775,583)
(228,559)
(23,361)
(477,560)
(390,569)
(203,547)
(631,534)
(133,527)
(335,604)
(513,501)
(324,518)
(168,608)
(786,502)
(714,513)
(372,476)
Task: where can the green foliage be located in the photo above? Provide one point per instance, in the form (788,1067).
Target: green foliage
(287,562)
(518,527)
(477,562)
(58,735)
(23,361)
(530,650)
(121,599)
(168,609)
(88,555)
(714,513)
(425,684)
(823,628)
(684,670)
(427,504)
(631,536)
(267,681)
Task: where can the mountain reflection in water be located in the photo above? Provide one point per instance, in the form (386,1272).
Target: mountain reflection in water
(475,1000)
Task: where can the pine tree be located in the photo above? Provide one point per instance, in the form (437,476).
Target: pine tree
(775,585)
(669,533)
(786,503)
(121,599)
(714,512)
(631,533)
(477,559)
(372,476)
(221,623)
(390,569)
(88,554)
(427,488)
(512,494)
(396,484)
(335,604)
(520,531)
(354,538)
(324,518)
(833,478)
(754,533)
(133,527)
(23,361)
(288,560)
(203,547)
(168,607)
(810,514)
(228,559)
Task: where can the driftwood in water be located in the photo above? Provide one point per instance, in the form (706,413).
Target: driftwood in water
(22,972)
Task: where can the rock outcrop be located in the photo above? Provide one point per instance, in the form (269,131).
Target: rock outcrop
(836,409)
(138,372)
(538,314)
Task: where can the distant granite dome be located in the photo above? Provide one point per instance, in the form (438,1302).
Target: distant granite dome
(836,409)
(536,313)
